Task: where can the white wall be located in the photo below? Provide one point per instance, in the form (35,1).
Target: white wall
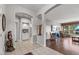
(17,30)
(2,34)
(48,30)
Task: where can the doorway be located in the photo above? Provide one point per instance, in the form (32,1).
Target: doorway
(23,26)
(25,31)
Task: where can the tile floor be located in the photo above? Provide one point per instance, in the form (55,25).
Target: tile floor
(45,51)
(25,47)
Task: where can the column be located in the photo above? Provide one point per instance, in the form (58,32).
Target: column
(44,28)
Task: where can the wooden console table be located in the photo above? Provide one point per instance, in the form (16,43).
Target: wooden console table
(75,38)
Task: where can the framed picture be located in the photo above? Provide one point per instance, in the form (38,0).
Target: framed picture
(39,29)
(3,22)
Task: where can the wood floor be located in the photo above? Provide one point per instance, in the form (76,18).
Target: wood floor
(64,45)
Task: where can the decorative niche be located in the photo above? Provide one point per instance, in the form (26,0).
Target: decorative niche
(3,22)
(39,29)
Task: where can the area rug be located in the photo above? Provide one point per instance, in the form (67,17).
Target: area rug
(30,53)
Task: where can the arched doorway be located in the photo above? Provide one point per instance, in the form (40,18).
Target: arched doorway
(23,27)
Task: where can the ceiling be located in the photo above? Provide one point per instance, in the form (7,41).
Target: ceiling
(33,7)
(63,11)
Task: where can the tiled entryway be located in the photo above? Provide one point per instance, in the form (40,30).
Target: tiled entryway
(23,47)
